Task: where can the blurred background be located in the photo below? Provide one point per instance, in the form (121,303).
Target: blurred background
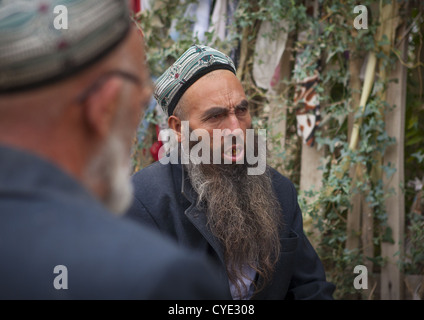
(339,87)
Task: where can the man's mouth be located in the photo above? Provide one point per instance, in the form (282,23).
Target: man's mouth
(234,153)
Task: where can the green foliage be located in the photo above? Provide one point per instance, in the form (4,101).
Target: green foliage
(413,260)
(330,42)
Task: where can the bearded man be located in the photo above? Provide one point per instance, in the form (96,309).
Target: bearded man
(250,224)
(70,103)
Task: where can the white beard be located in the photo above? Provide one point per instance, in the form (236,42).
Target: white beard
(121,189)
(111,168)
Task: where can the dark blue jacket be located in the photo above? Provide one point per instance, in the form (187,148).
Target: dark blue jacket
(167,204)
(48,219)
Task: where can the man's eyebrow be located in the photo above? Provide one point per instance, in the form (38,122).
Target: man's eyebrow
(214,111)
(243,104)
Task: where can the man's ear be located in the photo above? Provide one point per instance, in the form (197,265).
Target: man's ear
(174,123)
(101,106)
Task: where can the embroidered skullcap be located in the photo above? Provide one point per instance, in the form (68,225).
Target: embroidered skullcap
(36,48)
(194,63)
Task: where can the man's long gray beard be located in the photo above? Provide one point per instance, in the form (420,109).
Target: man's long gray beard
(110,169)
(243,213)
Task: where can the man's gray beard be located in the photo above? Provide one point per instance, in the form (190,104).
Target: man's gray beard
(112,170)
(243,213)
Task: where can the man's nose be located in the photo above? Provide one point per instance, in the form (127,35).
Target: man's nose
(232,124)
(232,129)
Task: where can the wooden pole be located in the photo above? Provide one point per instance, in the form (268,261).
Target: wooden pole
(354,215)
(310,176)
(391,277)
(278,110)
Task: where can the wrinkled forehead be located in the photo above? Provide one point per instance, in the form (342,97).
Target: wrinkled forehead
(220,88)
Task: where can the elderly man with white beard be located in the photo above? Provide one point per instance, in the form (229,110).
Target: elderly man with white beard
(249,223)
(70,103)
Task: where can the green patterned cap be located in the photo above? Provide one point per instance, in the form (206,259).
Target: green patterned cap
(42,41)
(197,61)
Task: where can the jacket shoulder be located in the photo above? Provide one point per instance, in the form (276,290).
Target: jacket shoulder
(156,190)
(279,181)
(155,174)
(286,193)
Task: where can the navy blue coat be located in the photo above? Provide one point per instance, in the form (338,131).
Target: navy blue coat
(169,205)
(48,219)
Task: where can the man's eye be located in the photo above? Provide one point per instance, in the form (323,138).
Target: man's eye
(216,117)
(241,111)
